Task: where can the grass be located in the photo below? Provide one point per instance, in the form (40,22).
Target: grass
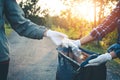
(8,29)
(95,48)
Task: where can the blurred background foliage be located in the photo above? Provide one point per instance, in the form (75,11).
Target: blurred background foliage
(66,22)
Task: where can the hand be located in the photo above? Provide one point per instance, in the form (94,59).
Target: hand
(76,42)
(99,60)
(55,36)
(71,43)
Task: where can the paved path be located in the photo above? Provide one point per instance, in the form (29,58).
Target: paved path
(32,59)
(35,59)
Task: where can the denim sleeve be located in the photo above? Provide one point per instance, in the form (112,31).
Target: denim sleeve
(19,23)
(116,48)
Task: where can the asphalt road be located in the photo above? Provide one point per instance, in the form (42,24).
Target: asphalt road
(36,59)
(32,59)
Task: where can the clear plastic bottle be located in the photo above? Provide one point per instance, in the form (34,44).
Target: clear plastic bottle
(76,51)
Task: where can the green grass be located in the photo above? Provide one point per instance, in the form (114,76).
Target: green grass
(95,48)
(8,29)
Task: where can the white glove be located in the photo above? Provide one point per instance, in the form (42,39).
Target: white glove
(76,42)
(70,43)
(56,37)
(100,59)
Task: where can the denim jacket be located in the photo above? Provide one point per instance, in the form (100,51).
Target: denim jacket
(24,27)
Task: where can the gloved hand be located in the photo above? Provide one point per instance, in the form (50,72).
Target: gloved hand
(55,36)
(71,43)
(76,42)
(99,60)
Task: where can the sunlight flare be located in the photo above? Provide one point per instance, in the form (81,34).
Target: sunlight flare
(84,10)
(54,6)
(81,9)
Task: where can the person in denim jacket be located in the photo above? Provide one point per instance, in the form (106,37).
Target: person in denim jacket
(24,27)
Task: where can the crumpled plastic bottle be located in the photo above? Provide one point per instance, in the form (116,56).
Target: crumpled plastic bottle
(76,51)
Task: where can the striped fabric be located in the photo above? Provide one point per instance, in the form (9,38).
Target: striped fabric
(108,25)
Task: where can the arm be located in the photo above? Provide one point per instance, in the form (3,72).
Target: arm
(25,27)
(107,26)
(86,39)
(113,54)
(89,38)
(19,23)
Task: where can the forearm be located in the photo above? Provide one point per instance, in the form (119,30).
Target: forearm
(20,24)
(86,39)
(89,38)
(113,54)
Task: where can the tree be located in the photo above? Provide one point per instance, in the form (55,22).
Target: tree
(32,11)
(101,4)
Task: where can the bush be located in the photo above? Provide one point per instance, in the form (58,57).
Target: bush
(110,39)
(73,32)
